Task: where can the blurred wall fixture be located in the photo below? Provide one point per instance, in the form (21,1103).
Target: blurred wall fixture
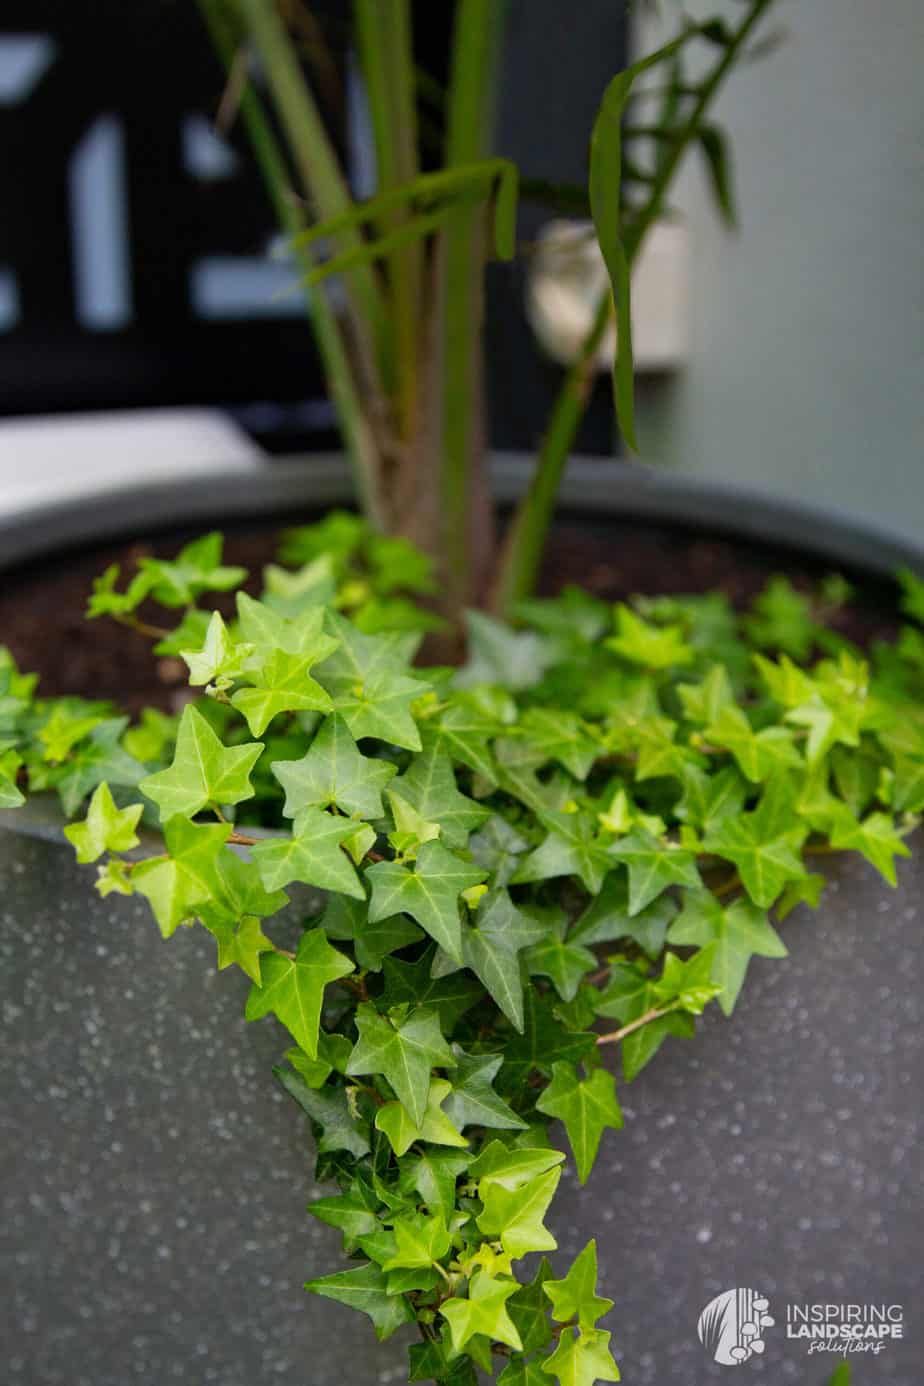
(567,276)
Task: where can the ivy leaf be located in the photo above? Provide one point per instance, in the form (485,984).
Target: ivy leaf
(582,1358)
(107,601)
(515,1216)
(451,996)
(10,761)
(586,1107)
(521,1372)
(652,647)
(529,1310)
(782,620)
(562,959)
(570,849)
(759,754)
(707,799)
(348,1212)
(334,771)
(739,932)
(396,1124)
(242,944)
(366,1288)
(179,884)
(497,654)
(105,828)
(704,702)
(473,1101)
(630,994)
(491,950)
(464,730)
(607,917)
(763,845)
(429,893)
(219,657)
(283,684)
(237,890)
(333,1053)
(543,1043)
(203,771)
(312,854)
(429,786)
(498,847)
(560,736)
(433,1173)
(427,1362)
(65,728)
(293,988)
(373,942)
(875,839)
(100,758)
(575,1297)
(688,984)
(404,1051)
(421,1240)
(512,1166)
(654,864)
(196,569)
(484,1312)
(329,1110)
(371,694)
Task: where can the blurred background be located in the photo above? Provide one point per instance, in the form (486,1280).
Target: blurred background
(137,266)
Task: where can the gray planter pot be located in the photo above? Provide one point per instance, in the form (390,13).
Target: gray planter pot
(154,1180)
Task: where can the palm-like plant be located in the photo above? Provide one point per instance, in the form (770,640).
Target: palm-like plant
(402,351)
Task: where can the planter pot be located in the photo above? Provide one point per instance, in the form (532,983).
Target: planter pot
(155,1180)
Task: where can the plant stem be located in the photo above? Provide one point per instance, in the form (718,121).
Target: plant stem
(521,554)
(357,433)
(615,1036)
(460,292)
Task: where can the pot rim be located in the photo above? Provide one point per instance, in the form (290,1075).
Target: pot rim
(597,486)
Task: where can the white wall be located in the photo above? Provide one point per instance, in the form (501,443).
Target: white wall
(805,375)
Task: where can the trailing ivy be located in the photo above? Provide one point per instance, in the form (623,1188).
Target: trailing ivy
(568,849)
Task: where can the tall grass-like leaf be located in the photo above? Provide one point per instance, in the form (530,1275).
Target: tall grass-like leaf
(444,186)
(715,149)
(606,210)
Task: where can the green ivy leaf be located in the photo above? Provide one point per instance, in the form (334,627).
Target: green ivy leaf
(313,854)
(329,1110)
(179,884)
(512,1166)
(368,690)
(484,1312)
(404,1050)
(196,569)
(582,1358)
(101,757)
(875,839)
(529,1310)
(473,1101)
(586,1107)
(764,844)
(543,1043)
(560,958)
(519,1371)
(570,849)
(607,917)
(283,684)
(491,949)
(220,657)
(105,828)
(497,654)
(429,786)
(203,771)
(429,893)
(451,996)
(739,932)
(366,1288)
(560,736)
(652,647)
(242,944)
(575,1297)
(433,1173)
(293,988)
(394,1122)
(759,754)
(334,772)
(654,864)
(515,1216)
(421,1240)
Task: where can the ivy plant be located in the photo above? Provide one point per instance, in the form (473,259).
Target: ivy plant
(530,873)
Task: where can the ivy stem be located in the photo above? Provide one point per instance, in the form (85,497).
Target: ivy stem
(655,1013)
(143,627)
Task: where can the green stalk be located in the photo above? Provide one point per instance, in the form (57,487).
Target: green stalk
(524,544)
(476,50)
(357,435)
(314,157)
(387,61)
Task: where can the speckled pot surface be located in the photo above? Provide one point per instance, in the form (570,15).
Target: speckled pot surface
(154,1181)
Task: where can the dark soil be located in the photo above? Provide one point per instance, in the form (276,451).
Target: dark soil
(42,605)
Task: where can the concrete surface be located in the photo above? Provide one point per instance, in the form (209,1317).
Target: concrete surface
(154,1181)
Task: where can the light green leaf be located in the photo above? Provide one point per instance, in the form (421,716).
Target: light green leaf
(203,771)
(312,854)
(582,1358)
(334,771)
(293,988)
(404,1050)
(421,1240)
(516,1216)
(485,1311)
(429,786)
(586,1107)
(366,1288)
(739,932)
(179,884)
(575,1297)
(654,864)
(283,684)
(220,656)
(429,893)
(105,828)
(196,569)
(396,1124)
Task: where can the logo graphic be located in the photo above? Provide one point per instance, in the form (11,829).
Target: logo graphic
(731,1326)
